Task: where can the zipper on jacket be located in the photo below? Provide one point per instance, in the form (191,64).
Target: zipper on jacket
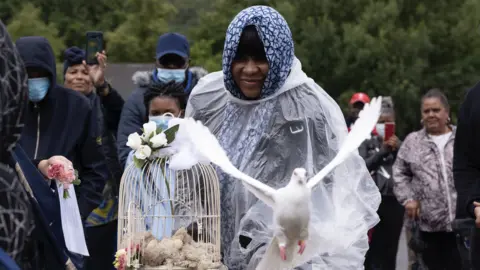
(444,176)
(38,133)
(447,189)
(445,173)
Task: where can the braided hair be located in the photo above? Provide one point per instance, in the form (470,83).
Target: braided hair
(172,89)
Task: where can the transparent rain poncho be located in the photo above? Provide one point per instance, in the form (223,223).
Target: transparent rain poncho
(296,124)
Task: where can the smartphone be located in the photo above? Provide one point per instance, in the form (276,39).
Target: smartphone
(94,44)
(389,130)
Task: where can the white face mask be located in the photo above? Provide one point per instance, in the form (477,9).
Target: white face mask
(380,128)
(161,120)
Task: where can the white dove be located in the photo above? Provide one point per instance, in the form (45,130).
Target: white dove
(290,206)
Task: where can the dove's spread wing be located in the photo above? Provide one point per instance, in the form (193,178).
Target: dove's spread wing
(207,145)
(361,131)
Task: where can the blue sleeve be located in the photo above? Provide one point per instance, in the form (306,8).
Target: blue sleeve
(94,171)
(131,120)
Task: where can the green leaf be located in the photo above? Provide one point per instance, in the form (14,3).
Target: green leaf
(170,133)
(159,130)
(77,182)
(138,162)
(65,194)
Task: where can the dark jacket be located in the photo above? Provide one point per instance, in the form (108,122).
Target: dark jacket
(106,112)
(134,112)
(112,105)
(61,124)
(466,161)
(377,157)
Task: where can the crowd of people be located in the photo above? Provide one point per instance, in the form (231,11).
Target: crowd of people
(268,115)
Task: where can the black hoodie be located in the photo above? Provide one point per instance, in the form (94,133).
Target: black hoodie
(60,124)
(466,161)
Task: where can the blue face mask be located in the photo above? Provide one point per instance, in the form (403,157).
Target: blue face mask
(38,88)
(167,75)
(161,120)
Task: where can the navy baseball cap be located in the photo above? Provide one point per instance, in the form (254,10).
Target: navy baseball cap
(172,43)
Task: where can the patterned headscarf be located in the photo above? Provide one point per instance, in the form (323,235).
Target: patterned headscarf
(15,216)
(242,130)
(277,39)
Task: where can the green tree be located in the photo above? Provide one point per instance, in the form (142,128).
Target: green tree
(188,14)
(135,39)
(8,9)
(28,23)
(75,18)
(209,35)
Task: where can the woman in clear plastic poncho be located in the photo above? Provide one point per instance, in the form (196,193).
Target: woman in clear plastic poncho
(271,118)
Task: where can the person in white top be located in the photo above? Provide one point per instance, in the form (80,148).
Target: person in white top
(423,183)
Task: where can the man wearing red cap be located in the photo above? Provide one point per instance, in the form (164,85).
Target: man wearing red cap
(355,105)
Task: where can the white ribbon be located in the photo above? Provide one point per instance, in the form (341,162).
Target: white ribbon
(71,221)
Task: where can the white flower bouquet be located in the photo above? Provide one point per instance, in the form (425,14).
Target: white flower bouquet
(151,141)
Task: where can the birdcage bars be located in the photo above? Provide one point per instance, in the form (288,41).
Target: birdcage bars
(157,201)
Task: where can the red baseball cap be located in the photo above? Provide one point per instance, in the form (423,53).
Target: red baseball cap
(360,97)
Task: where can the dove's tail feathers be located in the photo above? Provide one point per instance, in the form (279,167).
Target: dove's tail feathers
(207,145)
(361,131)
(271,260)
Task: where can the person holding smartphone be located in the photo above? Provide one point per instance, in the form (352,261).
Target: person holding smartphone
(379,153)
(172,64)
(107,104)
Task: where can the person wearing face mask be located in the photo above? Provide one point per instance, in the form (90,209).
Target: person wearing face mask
(58,122)
(379,155)
(162,103)
(423,182)
(107,104)
(172,64)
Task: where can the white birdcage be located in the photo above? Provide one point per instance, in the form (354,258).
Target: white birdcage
(169,219)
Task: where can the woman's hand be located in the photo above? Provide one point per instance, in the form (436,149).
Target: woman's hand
(97,72)
(413,209)
(45,164)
